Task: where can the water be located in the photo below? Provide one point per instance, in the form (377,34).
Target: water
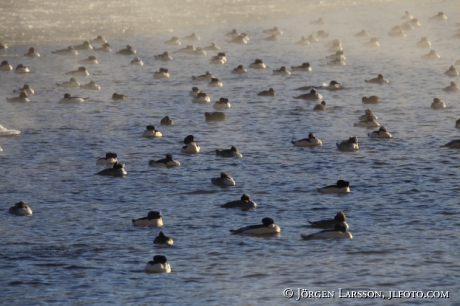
(79,247)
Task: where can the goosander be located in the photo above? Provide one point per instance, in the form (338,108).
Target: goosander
(267,227)
(192,37)
(281,71)
(116,96)
(341,187)
(312,39)
(267,93)
(166,121)
(4,132)
(245,203)
(378,80)
(224,180)
(91,86)
(274,31)
(220,58)
(339,232)
(397,32)
(438,104)
(23,97)
(407,16)
(91,60)
(201,97)
(322,34)
(194,92)
(137,61)
(452,71)
(363,33)
(72,83)
(451,88)
(258,64)
(330,223)
(69,51)
(215,116)
(312,95)
(20,209)
(215,83)
(407,26)
(232,152)
(109,159)
(381,133)
(424,43)
(369,122)
(368,113)
(68,98)
(173,41)
(373,42)
(199,51)
(239,70)
(303,67)
(153,219)
(337,55)
(189,49)
(99,40)
(5,66)
(105,48)
(84,46)
(320,107)
(211,47)
(204,77)
(21,69)
(432,55)
(319,21)
(165,162)
(272,37)
(370,100)
(151,132)
(80,72)
(349,145)
(241,39)
(32,53)
(161,74)
(127,51)
(439,16)
(303,41)
(190,146)
(222,104)
(163,239)
(311,141)
(117,170)
(26,88)
(158,265)
(414,22)
(164,57)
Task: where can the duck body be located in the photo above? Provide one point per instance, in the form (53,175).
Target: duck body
(349,145)
(266,228)
(313,96)
(91,60)
(307,142)
(26,88)
(69,99)
(438,105)
(267,93)
(223,182)
(239,70)
(330,223)
(165,162)
(370,100)
(164,57)
(91,86)
(281,71)
(215,116)
(137,62)
(451,72)
(117,170)
(116,96)
(336,62)
(80,72)
(166,121)
(160,75)
(32,53)
(451,88)
(201,99)
(304,67)
(424,43)
(68,51)
(341,187)
(109,159)
(232,152)
(21,69)
(128,51)
(368,122)
(163,239)
(328,234)
(256,65)
(222,104)
(377,81)
(105,48)
(239,204)
(4,66)
(20,209)
(191,148)
(151,132)
(431,56)
(215,83)
(204,77)
(158,265)
(86,45)
(153,219)
(174,41)
(381,133)
(454,144)
(23,97)
(6,132)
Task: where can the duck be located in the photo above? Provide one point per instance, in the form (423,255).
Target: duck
(117,170)
(68,98)
(91,60)
(318,21)
(241,39)
(189,49)
(233,33)
(267,93)
(303,41)
(341,187)
(267,227)
(212,47)
(215,83)
(303,67)
(127,51)
(215,116)
(116,96)
(69,51)
(21,69)
(199,51)
(330,223)
(438,104)
(161,74)
(239,70)
(373,42)
(337,55)
(432,55)
(407,26)
(439,16)
(192,37)
(23,97)
(381,133)
(153,219)
(5,66)
(397,32)
(222,104)
(370,100)
(72,83)
(3,45)
(81,71)
(454,144)
(272,37)
(204,77)
(312,39)
(322,34)
(165,162)
(258,64)
(232,152)
(414,22)
(378,80)
(282,71)
(202,97)
(190,146)
(166,121)
(158,265)
(32,53)
(320,107)
(104,48)
(349,145)
(452,71)
(362,33)
(245,203)
(151,132)
(424,43)
(173,41)
(369,122)
(86,45)
(339,231)
(407,16)
(20,209)
(452,87)
(336,62)
(26,88)
(311,141)
(368,113)
(137,61)
(164,57)
(194,92)
(224,180)
(333,85)
(163,239)
(312,95)
(220,58)
(109,159)
(274,31)
(91,86)
(99,40)
(4,132)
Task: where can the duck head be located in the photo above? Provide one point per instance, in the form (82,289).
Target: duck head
(313,91)
(150,128)
(4,63)
(353,139)
(382,129)
(169,157)
(323,103)
(240,67)
(305,65)
(311,136)
(67,96)
(20,204)
(189,139)
(332,83)
(31,50)
(72,80)
(342,183)
(160,259)
(224,175)
(340,217)
(195,89)
(109,155)
(380,76)
(267,221)
(81,69)
(245,197)
(26,86)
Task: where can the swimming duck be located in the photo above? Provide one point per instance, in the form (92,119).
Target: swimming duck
(336,62)
(199,51)
(189,49)
(312,95)
(91,60)
(158,265)
(190,146)
(341,187)
(99,40)
(337,55)
(363,33)
(201,97)
(4,132)
(378,80)
(233,33)
(117,170)
(320,107)
(373,42)
(333,85)
(267,93)
(204,77)
(311,141)
(84,46)
(322,34)
(370,100)
(153,219)
(268,226)
(116,96)
(23,97)
(381,133)
(26,88)
(245,203)
(369,122)
(215,83)
(173,41)
(69,51)
(104,48)
(164,57)
(452,71)
(127,51)
(224,180)
(368,113)
(166,121)
(222,104)
(407,16)
(454,144)
(91,86)
(4,66)
(319,21)
(163,239)
(312,39)
(258,64)
(330,223)
(151,132)
(239,70)
(431,55)
(72,83)
(303,41)
(439,16)
(80,72)
(272,37)
(339,231)
(281,71)
(137,61)
(109,159)
(68,98)
(241,39)
(21,69)
(193,37)
(215,116)
(3,46)
(220,58)
(349,145)
(303,67)
(407,26)
(397,31)
(212,47)
(194,92)
(451,88)
(165,162)
(232,152)
(274,31)
(161,74)
(438,104)
(32,53)
(20,209)
(414,22)
(424,43)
